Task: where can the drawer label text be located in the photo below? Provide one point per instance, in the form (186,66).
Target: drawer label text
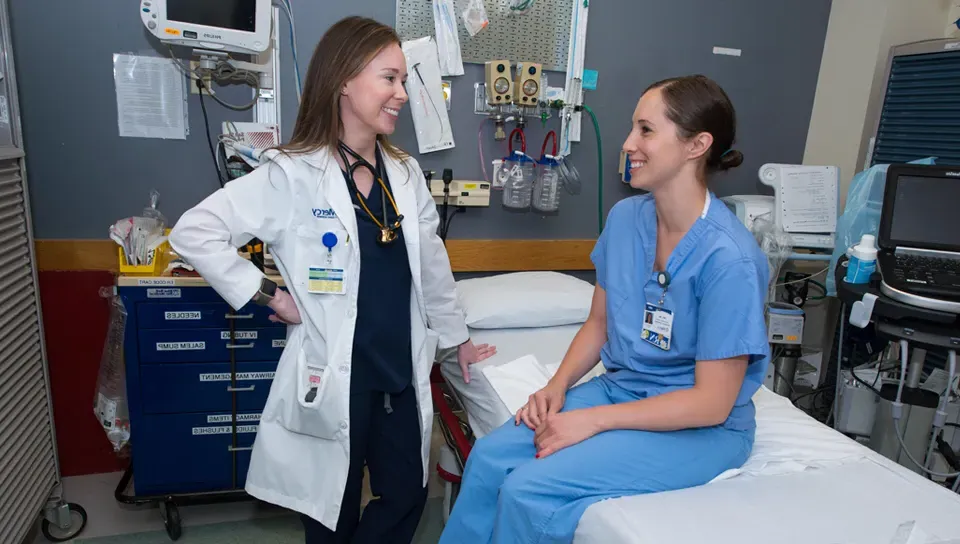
(239,335)
(226,418)
(181,346)
(177,316)
(224,429)
(278,344)
(163,293)
(156,281)
(241,376)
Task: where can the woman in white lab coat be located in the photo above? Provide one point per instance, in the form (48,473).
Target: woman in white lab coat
(352,227)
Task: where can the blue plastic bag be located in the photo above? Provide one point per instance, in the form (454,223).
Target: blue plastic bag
(861,214)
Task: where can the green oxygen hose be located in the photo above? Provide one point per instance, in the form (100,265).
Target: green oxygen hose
(596,128)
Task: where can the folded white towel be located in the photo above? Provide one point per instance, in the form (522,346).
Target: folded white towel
(515,381)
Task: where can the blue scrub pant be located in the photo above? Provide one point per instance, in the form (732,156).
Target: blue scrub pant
(509,496)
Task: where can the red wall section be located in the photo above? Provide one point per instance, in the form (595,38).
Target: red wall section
(75,326)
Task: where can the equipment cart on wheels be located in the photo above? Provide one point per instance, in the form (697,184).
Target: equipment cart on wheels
(198,374)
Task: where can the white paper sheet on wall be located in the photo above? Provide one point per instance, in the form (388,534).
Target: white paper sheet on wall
(808,199)
(151,97)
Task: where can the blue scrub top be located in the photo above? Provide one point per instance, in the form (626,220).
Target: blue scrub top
(718,284)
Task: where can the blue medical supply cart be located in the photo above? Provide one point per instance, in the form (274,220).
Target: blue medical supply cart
(197,374)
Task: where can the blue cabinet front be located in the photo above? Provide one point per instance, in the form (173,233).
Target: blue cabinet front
(210,345)
(187,453)
(204,387)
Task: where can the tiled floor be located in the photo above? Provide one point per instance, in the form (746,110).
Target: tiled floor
(106,516)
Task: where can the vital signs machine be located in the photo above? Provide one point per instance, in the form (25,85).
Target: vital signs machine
(238,26)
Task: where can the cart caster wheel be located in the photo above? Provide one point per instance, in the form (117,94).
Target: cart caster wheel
(78,520)
(171,519)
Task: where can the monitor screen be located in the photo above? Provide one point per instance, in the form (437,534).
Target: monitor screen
(925,211)
(233,14)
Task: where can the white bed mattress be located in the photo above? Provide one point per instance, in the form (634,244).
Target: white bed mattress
(804,482)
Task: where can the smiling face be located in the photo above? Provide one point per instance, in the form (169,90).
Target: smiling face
(374,98)
(656,151)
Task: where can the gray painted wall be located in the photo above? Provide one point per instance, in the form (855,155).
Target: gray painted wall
(83,176)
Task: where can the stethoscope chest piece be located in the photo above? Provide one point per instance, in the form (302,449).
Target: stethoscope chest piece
(387,236)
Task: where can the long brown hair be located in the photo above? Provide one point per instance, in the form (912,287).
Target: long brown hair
(343,52)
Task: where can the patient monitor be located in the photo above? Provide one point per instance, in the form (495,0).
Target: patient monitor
(239,26)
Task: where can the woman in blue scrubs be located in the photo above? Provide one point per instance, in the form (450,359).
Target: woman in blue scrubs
(677,320)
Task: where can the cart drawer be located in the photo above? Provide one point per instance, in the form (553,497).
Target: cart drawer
(204,387)
(210,345)
(188,453)
(182,315)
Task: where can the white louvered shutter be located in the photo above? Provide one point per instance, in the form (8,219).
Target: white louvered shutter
(29,470)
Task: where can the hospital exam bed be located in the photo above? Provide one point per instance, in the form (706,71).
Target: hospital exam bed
(803,483)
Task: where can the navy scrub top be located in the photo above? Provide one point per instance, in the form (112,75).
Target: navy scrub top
(382,359)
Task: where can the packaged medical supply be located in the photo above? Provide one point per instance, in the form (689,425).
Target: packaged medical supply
(475,17)
(448,39)
(863,260)
(140,238)
(776,245)
(110,400)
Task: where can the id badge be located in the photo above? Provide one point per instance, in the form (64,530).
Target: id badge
(657,326)
(326,281)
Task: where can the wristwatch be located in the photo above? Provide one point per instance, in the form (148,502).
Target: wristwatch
(264,295)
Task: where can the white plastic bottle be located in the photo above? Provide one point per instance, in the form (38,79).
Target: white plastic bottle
(863,260)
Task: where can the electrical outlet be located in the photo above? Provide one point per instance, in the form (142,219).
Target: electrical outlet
(194,65)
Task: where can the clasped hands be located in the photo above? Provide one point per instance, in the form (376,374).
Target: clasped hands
(553,429)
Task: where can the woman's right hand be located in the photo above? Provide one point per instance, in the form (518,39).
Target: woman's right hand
(285,308)
(544,402)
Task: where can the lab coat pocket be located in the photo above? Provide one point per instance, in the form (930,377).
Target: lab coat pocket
(312,405)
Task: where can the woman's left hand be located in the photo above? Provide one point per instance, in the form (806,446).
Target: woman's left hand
(563,430)
(468,354)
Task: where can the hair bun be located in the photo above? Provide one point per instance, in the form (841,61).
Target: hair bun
(730,159)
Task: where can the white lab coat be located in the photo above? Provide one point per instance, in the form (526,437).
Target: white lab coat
(302,451)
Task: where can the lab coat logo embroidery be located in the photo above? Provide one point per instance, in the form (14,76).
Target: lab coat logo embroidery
(320,213)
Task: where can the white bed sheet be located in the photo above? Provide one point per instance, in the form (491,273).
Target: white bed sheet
(859,502)
(804,482)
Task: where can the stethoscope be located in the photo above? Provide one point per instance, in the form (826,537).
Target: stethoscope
(388,233)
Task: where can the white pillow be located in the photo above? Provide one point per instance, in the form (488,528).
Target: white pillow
(524,299)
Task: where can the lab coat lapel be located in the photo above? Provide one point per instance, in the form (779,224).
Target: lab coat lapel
(401,185)
(334,190)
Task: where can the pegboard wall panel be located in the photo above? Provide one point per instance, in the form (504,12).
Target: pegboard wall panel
(541,35)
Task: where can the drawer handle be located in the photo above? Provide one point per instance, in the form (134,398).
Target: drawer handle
(240,346)
(231,448)
(240,389)
(235,316)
